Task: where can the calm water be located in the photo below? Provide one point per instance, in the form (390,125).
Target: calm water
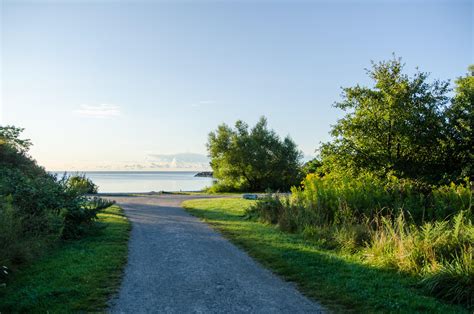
(146,181)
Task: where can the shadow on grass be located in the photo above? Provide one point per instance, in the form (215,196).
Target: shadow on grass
(340,282)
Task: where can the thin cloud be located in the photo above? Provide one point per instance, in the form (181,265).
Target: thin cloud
(179,161)
(99,111)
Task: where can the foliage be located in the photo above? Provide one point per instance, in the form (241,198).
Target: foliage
(255,159)
(75,276)
(334,198)
(403,125)
(80,214)
(454,282)
(82,184)
(11,135)
(440,252)
(460,136)
(393,223)
(312,166)
(36,208)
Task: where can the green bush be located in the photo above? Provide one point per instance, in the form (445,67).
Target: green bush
(80,214)
(16,245)
(224,186)
(30,203)
(36,208)
(82,184)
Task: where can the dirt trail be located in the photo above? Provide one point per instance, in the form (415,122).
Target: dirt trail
(178,264)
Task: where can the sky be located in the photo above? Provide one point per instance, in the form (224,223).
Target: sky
(138,85)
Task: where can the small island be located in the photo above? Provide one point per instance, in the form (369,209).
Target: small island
(204,174)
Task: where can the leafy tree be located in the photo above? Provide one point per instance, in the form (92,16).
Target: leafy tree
(460,137)
(82,184)
(312,166)
(10,135)
(396,126)
(255,159)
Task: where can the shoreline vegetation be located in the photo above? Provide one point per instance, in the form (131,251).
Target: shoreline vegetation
(73,276)
(62,248)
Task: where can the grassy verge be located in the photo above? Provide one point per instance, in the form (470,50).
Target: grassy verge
(75,276)
(341,282)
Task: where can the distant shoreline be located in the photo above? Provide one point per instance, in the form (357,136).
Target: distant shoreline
(143,181)
(205,174)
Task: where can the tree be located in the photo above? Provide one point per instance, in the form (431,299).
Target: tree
(81,184)
(312,166)
(255,159)
(396,126)
(10,135)
(460,137)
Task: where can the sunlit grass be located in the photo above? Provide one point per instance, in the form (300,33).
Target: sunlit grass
(76,276)
(341,281)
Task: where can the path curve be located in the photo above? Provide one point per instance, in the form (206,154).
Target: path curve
(178,264)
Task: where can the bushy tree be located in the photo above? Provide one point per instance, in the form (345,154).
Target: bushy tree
(460,137)
(255,159)
(396,126)
(82,184)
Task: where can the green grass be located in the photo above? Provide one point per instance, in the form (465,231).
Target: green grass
(341,282)
(75,276)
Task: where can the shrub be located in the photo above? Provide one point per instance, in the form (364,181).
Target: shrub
(36,208)
(268,209)
(82,184)
(223,186)
(80,214)
(19,243)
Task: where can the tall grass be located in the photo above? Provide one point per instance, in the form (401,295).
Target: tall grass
(333,198)
(398,224)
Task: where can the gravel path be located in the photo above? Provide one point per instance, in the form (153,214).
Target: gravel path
(177,264)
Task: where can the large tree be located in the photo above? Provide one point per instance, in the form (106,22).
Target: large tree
(397,125)
(256,159)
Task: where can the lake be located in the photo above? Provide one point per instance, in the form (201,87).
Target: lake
(145,181)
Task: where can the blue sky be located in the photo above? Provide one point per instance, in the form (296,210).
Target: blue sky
(127,85)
